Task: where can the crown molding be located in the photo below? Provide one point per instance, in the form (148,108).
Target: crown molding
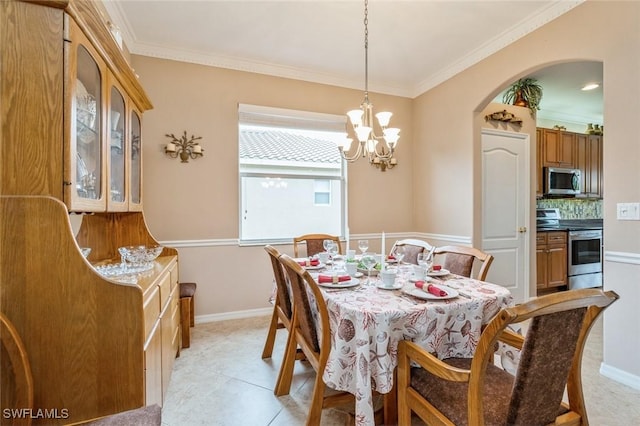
(546,114)
(517,31)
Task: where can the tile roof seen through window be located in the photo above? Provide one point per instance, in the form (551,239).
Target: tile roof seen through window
(277,145)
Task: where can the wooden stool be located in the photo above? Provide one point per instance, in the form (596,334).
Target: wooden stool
(187,308)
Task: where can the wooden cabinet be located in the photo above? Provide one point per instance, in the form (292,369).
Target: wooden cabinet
(539,166)
(558,148)
(551,259)
(72,144)
(589,161)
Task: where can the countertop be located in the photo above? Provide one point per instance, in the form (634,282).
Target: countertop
(572,225)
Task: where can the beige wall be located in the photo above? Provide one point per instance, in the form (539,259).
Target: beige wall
(435,190)
(198,202)
(602,31)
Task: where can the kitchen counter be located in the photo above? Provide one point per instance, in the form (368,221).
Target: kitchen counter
(572,225)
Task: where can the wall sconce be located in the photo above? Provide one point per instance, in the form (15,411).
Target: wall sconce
(183,147)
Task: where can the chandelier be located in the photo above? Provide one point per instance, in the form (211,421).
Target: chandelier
(377,149)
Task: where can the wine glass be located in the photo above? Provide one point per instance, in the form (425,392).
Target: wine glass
(326,244)
(369,260)
(426,261)
(332,249)
(363,245)
(399,253)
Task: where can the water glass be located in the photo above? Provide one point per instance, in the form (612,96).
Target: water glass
(399,253)
(363,245)
(369,260)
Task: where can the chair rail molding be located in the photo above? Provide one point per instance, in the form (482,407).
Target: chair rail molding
(622,257)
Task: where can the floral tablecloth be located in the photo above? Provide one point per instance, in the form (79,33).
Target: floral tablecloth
(368,322)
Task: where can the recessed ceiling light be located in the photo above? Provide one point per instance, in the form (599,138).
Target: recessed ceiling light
(591,86)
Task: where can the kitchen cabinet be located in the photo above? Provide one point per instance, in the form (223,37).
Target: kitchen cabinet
(558,148)
(551,259)
(539,166)
(589,161)
(96,346)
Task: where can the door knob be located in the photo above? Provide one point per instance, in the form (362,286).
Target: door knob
(522,229)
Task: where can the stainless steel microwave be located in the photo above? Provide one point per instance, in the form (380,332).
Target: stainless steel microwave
(559,181)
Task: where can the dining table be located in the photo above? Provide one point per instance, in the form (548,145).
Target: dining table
(368,321)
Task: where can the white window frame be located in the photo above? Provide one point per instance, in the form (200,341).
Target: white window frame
(317,191)
(279,118)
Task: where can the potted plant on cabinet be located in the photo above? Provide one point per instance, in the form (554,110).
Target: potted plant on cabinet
(525,92)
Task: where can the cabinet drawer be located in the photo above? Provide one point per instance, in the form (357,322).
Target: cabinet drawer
(556,237)
(165,289)
(541,238)
(151,311)
(174,276)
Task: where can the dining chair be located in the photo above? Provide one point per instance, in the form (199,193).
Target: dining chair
(281,316)
(314,243)
(459,260)
(474,391)
(15,376)
(313,338)
(412,247)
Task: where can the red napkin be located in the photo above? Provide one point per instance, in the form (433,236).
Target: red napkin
(436,291)
(436,267)
(312,262)
(391,257)
(333,278)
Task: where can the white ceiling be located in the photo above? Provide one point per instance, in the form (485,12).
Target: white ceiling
(413,45)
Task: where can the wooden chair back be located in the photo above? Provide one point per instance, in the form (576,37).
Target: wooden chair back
(412,248)
(15,374)
(551,359)
(309,331)
(282,310)
(459,260)
(314,243)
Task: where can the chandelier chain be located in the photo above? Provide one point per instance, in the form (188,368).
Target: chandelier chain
(366,50)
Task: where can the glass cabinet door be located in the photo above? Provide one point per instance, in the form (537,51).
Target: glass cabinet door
(117,152)
(84,146)
(135,200)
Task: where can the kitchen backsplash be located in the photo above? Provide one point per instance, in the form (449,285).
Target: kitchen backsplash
(573,208)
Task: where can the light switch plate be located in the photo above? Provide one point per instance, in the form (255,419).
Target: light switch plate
(628,211)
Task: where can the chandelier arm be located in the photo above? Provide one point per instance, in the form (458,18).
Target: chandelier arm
(359,153)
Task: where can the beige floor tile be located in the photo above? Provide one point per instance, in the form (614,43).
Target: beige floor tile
(221,380)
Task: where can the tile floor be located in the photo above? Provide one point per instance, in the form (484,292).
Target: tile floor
(221,380)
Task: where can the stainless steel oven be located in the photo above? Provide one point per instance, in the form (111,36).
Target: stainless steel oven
(585,258)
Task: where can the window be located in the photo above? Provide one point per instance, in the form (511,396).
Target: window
(292,177)
(322,192)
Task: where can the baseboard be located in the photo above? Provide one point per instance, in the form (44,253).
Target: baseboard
(620,376)
(249,313)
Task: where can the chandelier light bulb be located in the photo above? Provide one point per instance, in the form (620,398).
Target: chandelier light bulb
(391,135)
(384,118)
(363,133)
(355,116)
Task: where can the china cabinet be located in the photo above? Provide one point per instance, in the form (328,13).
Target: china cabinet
(71,132)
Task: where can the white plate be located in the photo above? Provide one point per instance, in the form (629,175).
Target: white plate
(344,284)
(422,294)
(392,260)
(440,273)
(313,268)
(396,286)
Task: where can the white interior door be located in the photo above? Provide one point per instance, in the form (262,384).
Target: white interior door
(505,209)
